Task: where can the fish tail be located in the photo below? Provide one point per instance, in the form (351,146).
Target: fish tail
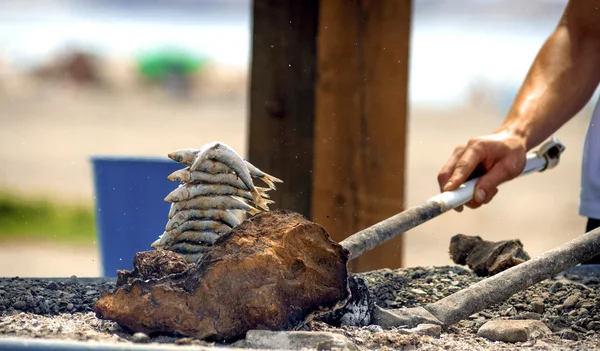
(270,180)
(260,201)
(263,192)
(253,210)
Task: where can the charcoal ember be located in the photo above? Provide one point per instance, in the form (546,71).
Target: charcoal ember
(152,265)
(486,258)
(271,272)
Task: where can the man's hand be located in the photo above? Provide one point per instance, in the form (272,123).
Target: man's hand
(502,155)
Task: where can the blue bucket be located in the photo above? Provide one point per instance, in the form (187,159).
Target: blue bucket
(130,211)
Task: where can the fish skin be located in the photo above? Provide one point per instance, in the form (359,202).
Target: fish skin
(202,225)
(186,248)
(189,191)
(224,216)
(221,202)
(223,153)
(185,176)
(205,236)
(187,157)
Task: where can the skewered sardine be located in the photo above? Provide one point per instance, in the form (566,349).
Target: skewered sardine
(187,156)
(219,202)
(189,191)
(223,153)
(193,235)
(188,248)
(221,215)
(185,176)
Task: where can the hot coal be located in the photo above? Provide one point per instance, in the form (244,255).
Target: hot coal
(50,297)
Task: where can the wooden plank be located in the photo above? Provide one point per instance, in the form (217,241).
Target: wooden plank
(360,122)
(282,95)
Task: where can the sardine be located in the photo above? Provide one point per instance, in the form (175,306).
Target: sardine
(185,176)
(183,216)
(187,248)
(223,153)
(187,156)
(267,178)
(200,235)
(202,225)
(219,202)
(189,191)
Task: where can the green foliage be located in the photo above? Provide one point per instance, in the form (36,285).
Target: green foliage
(40,218)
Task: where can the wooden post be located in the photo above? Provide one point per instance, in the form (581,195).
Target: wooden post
(282,97)
(360,122)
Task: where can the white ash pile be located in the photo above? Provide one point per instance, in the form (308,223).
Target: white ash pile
(216,182)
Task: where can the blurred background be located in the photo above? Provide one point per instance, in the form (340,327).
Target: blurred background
(106,77)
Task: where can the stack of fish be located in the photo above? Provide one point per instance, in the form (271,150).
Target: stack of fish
(216,182)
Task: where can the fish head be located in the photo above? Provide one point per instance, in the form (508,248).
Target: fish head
(179,176)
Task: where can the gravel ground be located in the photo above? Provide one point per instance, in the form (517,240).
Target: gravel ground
(569,306)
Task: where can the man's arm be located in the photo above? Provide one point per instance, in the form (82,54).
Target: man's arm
(561,80)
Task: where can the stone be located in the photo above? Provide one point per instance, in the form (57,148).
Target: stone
(537,306)
(19,305)
(593,325)
(432,330)
(571,301)
(486,258)
(274,271)
(152,265)
(568,334)
(140,338)
(513,330)
(52,286)
(555,287)
(296,340)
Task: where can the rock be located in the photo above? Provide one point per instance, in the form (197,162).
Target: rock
(73,280)
(70,306)
(427,329)
(19,305)
(593,325)
(418,291)
(555,287)
(568,334)
(262,339)
(152,265)
(52,286)
(513,330)
(529,315)
(571,301)
(486,258)
(537,306)
(274,271)
(140,338)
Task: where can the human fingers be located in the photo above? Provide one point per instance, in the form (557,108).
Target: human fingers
(488,183)
(448,168)
(466,164)
(473,204)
